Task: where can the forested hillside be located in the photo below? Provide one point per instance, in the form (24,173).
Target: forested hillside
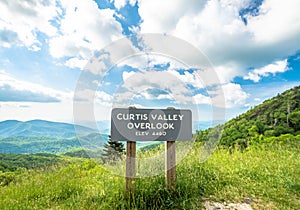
(42,144)
(274,117)
(40,136)
(11,162)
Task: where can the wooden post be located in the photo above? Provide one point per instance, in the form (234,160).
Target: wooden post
(170,163)
(130,163)
(130,166)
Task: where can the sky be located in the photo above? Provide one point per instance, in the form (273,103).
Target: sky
(73,61)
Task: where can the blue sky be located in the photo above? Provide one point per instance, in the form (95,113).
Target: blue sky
(45,46)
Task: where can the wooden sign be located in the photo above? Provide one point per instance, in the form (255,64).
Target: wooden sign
(168,125)
(151,125)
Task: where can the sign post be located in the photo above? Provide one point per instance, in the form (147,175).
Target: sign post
(170,162)
(168,125)
(130,165)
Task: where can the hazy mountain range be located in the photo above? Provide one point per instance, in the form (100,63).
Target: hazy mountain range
(42,128)
(40,136)
(274,117)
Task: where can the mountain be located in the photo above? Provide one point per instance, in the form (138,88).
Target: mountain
(40,136)
(103,126)
(41,144)
(274,117)
(42,128)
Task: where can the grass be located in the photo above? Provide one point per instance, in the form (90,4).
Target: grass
(269,176)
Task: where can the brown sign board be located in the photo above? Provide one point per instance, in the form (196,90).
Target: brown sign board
(151,124)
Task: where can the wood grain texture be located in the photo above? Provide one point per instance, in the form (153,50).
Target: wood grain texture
(130,165)
(170,165)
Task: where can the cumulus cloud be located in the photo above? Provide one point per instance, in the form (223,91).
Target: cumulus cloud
(91,96)
(121,3)
(277,21)
(21,21)
(13,90)
(166,21)
(277,67)
(82,34)
(202,99)
(9,93)
(152,85)
(232,43)
(143,61)
(169,84)
(76,63)
(232,93)
(8,37)
(70,32)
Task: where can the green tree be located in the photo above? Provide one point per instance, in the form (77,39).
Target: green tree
(253,131)
(295,120)
(113,151)
(261,126)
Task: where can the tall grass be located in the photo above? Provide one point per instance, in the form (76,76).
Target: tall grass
(269,176)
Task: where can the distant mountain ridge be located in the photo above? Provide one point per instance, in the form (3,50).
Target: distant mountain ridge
(41,136)
(44,128)
(274,117)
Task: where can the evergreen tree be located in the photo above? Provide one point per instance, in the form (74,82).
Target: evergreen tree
(113,151)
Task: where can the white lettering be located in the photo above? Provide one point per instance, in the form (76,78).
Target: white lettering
(153,116)
(130,125)
(131,116)
(141,133)
(171,126)
(158,125)
(148,126)
(165,125)
(145,117)
(119,116)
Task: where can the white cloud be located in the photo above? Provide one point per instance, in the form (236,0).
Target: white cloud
(189,78)
(73,29)
(82,34)
(153,85)
(149,61)
(228,71)
(21,21)
(89,96)
(127,74)
(170,13)
(232,93)
(23,111)
(121,3)
(277,21)
(12,89)
(277,67)
(76,63)
(171,85)
(202,99)
(110,56)
(171,66)
(186,77)
(104,98)
(216,28)
(257,99)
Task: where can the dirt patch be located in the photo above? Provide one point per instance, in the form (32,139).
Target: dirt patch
(209,205)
